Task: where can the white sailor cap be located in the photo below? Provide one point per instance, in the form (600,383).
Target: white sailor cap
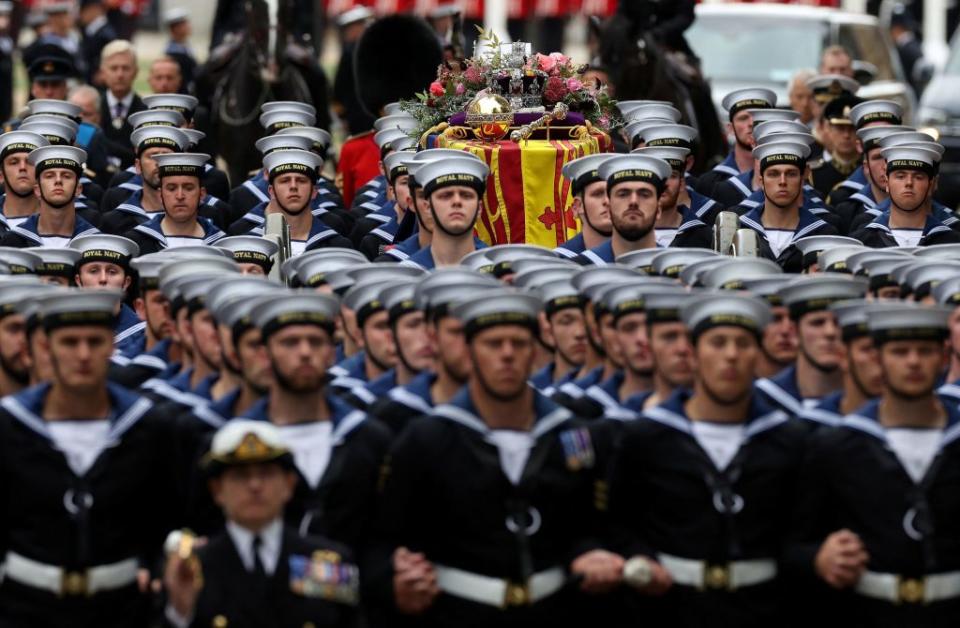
(231,300)
(181,164)
(399,300)
(873,136)
(156,117)
(385,138)
(159,137)
(392,108)
(922,278)
(53,107)
(194,136)
(47,157)
(492,308)
(419,158)
(880,270)
(852,318)
(14,290)
(245,441)
(670,135)
(650,110)
(749,98)
(320,138)
(623,168)
(248,249)
(901,137)
(438,292)
(184,104)
(297,307)
(270,143)
(558,294)
(811,246)
(640,261)
(356,14)
(834,259)
(583,171)
(908,157)
(690,276)
(767,288)
(826,87)
(774,115)
(305,266)
(403,121)
(856,261)
(462,171)
(589,279)
(174,15)
(288,105)
(891,321)
(723,309)
(779,126)
(806,139)
(730,273)
(874,111)
(947,292)
(676,156)
(636,130)
(75,306)
(57,131)
(304,162)
(175,268)
(628,297)
(104,247)
(782,153)
(282,118)
(445,9)
(364,298)
(396,164)
(20,142)
(54,262)
(477,260)
(670,262)
(813,293)
(502,256)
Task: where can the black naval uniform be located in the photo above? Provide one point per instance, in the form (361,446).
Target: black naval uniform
(852,479)
(115,512)
(315,583)
(667,496)
(826,175)
(446,494)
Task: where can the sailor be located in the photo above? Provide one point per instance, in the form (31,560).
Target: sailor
(888,537)
(254,255)
(19,200)
(682,211)
(590,204)
(14,356)
(874,168)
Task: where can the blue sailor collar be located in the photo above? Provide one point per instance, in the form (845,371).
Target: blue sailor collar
(344,417)
(153,229)
(600,255)
(728,165)
(350,373)
(28,228)
(134,205)
(827,412)
(319,231)
(867,420)
(783,389)
(424,257)
(607,394)
(134,183)
(931,226)
(127,408)
(203,389)
(403,250)
(128,325)
(543,378)
(461,410)
(856,179)
(807,223)
(743,183)
(671,413)
(175,47)
(157,358)
(217,413)
(938,209)
(700,204)
(575,387)
(572,247)
(416,394)
(377,388)
(182,380)
(864,194)
(387,231)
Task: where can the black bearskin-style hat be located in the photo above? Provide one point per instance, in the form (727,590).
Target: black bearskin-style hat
(396,57)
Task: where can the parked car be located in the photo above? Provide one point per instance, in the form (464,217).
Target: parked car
(763,45)
(939,114)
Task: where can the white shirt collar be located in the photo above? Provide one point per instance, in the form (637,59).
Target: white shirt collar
(126,100)
(271,539)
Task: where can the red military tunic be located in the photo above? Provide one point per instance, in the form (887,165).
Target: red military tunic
(359,162)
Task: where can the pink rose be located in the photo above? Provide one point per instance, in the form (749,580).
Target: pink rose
(574,85)
(472,74)
(460,89)
(546,63)
(559,58)
(436,88)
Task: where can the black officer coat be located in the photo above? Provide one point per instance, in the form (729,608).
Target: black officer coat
(667,495)
(233,594)
(852,479)
(446,495)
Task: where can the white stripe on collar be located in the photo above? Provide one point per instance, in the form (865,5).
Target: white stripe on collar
(779,395)
(253,189)
(594,258)
(130,331)
(407,398)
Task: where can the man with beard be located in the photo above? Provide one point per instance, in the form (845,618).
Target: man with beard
(435,295)
(817,371)
(563,326)
(862,375)
(337,450)
(453,188)
(590,204)
(911,180)
(876,515)
(145,203)
(181,191)
(14,372)
(740,159)
(634,186)
(293,176)
(378,352)
(860,207)
(18,177)
(701,488)
(58,170)
(414,351)
(679,224)
(783,219)
(530,463)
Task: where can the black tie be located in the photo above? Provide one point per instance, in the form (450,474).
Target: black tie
(258,568)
